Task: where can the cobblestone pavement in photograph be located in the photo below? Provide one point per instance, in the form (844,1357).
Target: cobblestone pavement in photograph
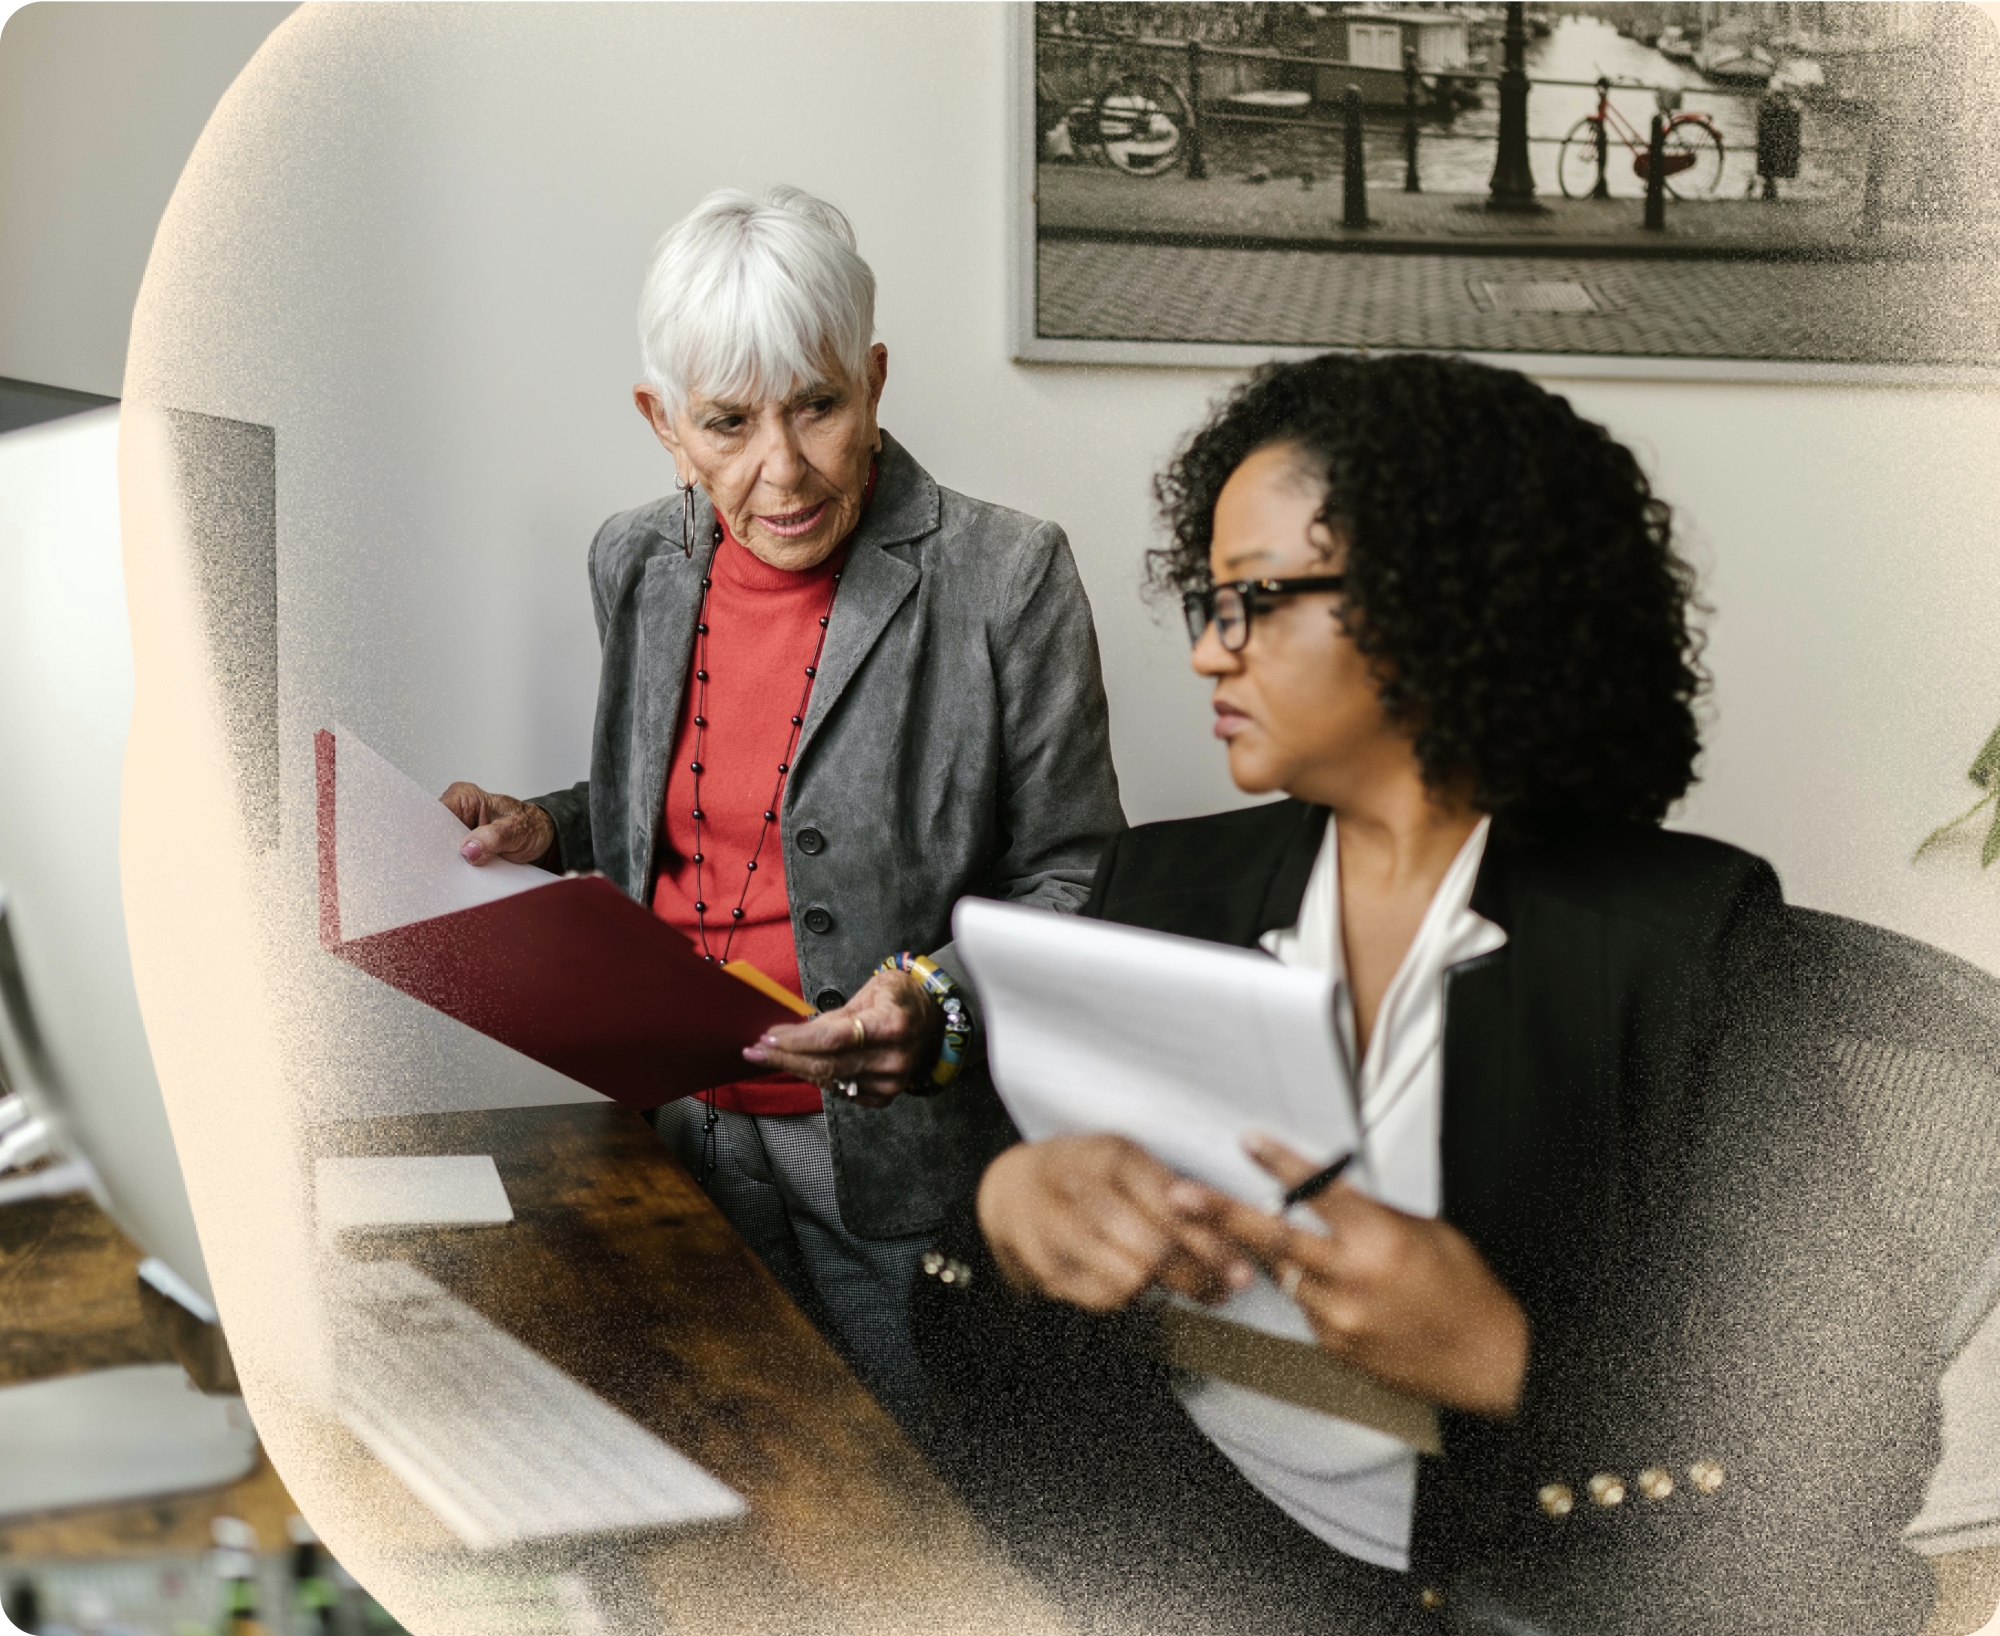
(1870,312)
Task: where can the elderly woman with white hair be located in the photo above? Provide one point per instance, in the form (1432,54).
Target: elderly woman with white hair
(835,698)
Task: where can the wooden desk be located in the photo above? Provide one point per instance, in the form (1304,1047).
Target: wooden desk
(69,1302)
(619,1270)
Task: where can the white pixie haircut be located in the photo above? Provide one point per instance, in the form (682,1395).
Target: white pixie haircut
(746,299)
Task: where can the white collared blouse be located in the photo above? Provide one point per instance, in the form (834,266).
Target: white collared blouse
(1354,1487)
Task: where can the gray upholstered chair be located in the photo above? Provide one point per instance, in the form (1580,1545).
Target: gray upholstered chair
(1915,1040)
(1916,1033)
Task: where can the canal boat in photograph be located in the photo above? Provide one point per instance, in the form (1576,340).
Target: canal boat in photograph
(1371,41)
(1735,62)
(1271,102)
(1674,45)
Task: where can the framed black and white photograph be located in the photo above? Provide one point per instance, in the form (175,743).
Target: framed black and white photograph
(1761,190)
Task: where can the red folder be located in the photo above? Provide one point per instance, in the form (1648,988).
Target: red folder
(572,973)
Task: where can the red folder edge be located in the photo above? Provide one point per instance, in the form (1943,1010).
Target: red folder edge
(573,974)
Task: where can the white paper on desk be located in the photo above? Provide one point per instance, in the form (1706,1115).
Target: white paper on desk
(1180,1045)
(384,1194)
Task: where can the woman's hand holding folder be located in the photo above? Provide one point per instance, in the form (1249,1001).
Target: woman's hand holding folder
(881,1041)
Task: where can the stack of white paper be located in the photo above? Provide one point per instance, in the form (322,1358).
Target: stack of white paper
(384,1194)
(1182,1046)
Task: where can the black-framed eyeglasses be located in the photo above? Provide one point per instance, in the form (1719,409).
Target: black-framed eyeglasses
(1230,607)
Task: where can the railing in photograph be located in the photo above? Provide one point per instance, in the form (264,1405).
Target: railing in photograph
(1678,142)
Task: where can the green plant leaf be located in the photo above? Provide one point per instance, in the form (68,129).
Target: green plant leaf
(1943,830)
(1991,849)
(1985,766)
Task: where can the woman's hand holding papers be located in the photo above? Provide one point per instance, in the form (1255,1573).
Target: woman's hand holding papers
(1407,1298)
(502,827)
(1097,1220)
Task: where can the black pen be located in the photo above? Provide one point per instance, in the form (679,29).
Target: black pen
(1317,1183)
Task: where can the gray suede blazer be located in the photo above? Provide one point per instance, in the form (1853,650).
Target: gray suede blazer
(957,743)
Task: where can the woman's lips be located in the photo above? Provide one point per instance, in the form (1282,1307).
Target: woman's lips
(789,525)
(1229,721)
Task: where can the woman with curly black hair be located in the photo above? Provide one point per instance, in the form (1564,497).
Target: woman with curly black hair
(1598,1226)
(1510,577)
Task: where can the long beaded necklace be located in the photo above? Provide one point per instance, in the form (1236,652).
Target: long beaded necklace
(784,766)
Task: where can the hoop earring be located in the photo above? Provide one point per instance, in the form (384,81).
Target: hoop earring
(687,516)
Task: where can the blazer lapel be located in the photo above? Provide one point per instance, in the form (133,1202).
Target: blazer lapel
(1287,890)
(1227,879)
(1530,1122)
(1482,1133)
(874,584)
(669,598)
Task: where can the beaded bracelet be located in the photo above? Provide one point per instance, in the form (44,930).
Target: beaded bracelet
(958,1024)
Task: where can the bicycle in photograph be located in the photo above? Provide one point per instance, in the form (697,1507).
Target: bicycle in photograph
(1135,120)
(1692,157)
(1143,123)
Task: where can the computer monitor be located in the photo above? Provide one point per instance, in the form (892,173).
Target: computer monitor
(71,1036)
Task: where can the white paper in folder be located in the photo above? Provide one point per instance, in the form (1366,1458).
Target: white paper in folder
(1181,1045)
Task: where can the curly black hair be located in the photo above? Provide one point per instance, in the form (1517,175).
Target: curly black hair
(1510,575)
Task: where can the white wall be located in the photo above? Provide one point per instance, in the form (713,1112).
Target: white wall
(1854,539)
(100,106)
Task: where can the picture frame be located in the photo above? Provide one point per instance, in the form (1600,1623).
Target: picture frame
(1089,239)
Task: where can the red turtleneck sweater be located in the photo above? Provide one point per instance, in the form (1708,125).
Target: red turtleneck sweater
(763,627)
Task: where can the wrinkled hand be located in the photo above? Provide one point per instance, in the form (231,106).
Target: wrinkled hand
(902,1030)
(1096,1220)
(1406,1298)
(502,827)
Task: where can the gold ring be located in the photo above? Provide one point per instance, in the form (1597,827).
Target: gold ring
(860,1032)
(1288,1280)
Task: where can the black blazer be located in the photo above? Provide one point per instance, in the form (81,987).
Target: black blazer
(1649,1160)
